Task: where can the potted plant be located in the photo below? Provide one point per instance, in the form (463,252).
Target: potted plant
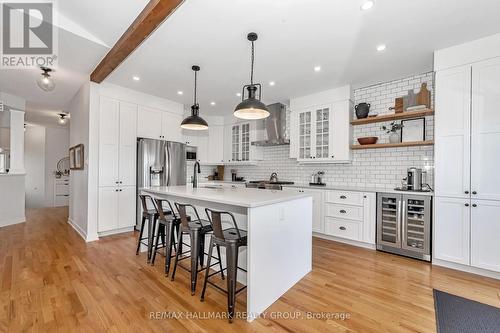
(392,129)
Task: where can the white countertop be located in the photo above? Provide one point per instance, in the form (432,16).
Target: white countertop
(242,197)
(12,174)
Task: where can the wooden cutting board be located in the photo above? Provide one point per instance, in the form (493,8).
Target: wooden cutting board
(424,96)
(398,105)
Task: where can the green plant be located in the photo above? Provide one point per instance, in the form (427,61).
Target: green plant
(393,127)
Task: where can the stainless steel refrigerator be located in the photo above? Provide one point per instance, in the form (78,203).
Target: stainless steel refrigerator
(159,163)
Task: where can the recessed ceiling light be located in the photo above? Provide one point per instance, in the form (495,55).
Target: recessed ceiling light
(317,68)
(136,78)
(367,5)
(381,48)
(238,94)
(212,103)
(272,83)
(180,92)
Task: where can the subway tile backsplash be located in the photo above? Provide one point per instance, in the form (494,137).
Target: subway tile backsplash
(380,168)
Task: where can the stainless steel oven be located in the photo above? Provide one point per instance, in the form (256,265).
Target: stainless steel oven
(191,153)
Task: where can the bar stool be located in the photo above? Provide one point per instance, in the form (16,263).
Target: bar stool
(167,223)
(232,239)
(151,215)
(196,229)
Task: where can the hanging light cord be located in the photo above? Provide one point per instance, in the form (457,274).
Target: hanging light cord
(251,71)
(195,80)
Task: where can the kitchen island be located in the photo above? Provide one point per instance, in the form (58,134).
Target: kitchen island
(279,226)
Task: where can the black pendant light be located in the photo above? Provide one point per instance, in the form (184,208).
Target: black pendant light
(251,108)
(194,121)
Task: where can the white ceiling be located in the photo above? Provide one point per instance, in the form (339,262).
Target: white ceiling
(294,36)
(85,35)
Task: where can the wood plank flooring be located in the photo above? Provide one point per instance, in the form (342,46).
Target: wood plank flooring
(51,280)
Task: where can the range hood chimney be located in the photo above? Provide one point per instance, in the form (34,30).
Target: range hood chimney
(275,126)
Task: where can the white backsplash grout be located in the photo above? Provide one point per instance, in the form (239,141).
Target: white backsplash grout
(380,168)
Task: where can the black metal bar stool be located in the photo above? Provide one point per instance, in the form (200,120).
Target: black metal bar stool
(196,229)
(231,239)
(167,223)
(151,215)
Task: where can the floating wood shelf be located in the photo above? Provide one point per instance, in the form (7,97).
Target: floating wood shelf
(394,145)
(393,116)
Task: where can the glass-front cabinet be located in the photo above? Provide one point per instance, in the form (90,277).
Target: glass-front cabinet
(240,148)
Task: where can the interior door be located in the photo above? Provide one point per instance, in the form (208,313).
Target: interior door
(452,230)
(128,127)
(389,219)
(109,129)
(452,128)
(485,145)
(485,232)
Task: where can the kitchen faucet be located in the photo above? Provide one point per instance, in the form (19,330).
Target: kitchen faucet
(273,178)
(195,174)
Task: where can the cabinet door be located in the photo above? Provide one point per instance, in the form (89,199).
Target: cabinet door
(149,123)
(235,143)
(452,230)
(369,217)
(294,134)
(485,231)
(128,143)
(202,153)
(485,145)
(305,135)
(109,123)
(171,127)
(228,143)
(322,134)
(452,132)
(340,131)
(216,144)
(108,209)
(126,206)
(245,142)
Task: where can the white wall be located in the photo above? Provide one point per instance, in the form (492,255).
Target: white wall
(56,148)
(79,133)
(34,159)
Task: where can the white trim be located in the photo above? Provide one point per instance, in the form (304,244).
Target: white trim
(78,229)
(13,221)
(465,268)
(116,231)
(345,241)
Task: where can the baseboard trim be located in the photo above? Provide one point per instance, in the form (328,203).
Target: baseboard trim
(8,222)
(465,268)
(78,229)
(345,241)
(116,231)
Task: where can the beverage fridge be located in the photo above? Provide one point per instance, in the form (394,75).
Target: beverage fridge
(404,224)
(159,163)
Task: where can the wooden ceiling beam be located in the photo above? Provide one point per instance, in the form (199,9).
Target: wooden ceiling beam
(155,12)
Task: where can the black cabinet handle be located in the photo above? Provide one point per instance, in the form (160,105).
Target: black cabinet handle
(466,205)
(116,190)
(474,192)
(116,182)
(342,211)
(343,197)
(342,228)
(466,192)
(120,181)
(474,205)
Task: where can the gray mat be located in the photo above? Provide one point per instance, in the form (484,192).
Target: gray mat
(456,314)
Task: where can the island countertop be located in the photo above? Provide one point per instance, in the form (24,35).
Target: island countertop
(243,197)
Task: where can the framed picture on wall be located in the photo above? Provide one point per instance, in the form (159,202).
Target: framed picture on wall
(72,158)
(79,157)
(413,130)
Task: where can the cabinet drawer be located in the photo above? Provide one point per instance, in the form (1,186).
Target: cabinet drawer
(344,197)
(345,211)
(344,229)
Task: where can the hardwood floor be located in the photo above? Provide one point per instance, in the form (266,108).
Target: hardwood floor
(51,280)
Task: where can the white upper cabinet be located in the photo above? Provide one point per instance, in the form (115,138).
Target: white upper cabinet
(320,129)
(485,145)
(452,132)
(238,140)
(322,133)
(158,124)
(215,144)
(117,142)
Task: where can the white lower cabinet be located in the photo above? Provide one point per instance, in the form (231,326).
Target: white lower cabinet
(317,223)
(116,208)
(485,234)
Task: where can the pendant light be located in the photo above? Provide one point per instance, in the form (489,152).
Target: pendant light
(251,108)
(194,121)
(45,81)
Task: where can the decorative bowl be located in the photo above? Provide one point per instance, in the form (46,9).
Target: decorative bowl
(369,140)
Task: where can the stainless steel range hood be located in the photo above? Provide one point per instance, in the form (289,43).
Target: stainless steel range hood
(275,126)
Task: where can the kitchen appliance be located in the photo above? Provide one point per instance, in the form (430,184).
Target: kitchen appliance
(404,224)
(4,161)
(191,153)
(317,179)
(266,184)
(414,179)
(275,127)
(159,163)
(233,174)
